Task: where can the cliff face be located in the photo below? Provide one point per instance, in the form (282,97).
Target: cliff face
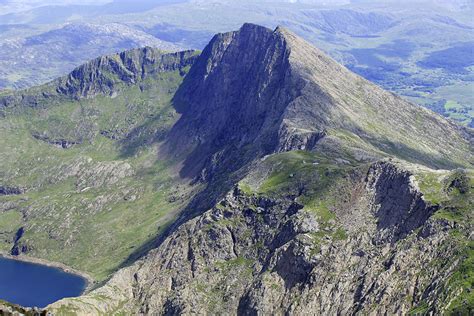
(101,75)
(256,91)
(233,98)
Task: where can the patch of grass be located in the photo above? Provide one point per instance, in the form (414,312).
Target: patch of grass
(463,279)
(421,309)
(451,105)
(245,188)
(316,182)
(340,234)
(321,209)
(453,215)
(10,222)
(240,264)
(431,184)
(452,191)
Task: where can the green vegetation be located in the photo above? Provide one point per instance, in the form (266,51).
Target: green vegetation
(463,279)
(431,186)
(316,181)
(232,264)
(388,43)
(103,201)
(451,190)
(300,170)
(319,184)
(10,223)
(421,309)
(245,188)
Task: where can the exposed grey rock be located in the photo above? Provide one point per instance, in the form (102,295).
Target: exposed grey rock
(60,143)
(8,190)
(255,91)
(397,205)
(127,67)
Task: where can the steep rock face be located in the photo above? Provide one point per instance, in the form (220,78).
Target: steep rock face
(397,204)
(234,96)
(103,75)
(255,91)
(290,246)
(253,255)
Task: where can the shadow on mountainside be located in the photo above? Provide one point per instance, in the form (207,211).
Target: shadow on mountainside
(220,181)
(413,155)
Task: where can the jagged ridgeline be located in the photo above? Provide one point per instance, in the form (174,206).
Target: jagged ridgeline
(258,177)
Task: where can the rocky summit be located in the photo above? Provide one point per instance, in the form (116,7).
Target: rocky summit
(256,177)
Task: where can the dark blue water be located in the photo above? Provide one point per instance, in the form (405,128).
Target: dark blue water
(30,284)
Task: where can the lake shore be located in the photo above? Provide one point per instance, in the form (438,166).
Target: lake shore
(89,280)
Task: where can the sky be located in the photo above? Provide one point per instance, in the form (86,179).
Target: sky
(10,6)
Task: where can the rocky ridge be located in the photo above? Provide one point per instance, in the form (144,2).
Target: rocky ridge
(103,75)
(248,99)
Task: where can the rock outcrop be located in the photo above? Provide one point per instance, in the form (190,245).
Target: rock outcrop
(8,190)
(101,75)
(287,244)
(397,204)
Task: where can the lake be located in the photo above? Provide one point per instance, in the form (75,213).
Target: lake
(30,284)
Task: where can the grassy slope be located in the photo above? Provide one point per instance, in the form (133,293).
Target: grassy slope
(93,205)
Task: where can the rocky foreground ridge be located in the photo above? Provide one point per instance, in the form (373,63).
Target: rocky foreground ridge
(381,253)
(298,188)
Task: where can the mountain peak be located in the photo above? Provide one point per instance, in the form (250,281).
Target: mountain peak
(268,91)
(251,27)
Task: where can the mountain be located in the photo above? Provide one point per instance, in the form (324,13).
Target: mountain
(259,176)
(102,76)
(310,96)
